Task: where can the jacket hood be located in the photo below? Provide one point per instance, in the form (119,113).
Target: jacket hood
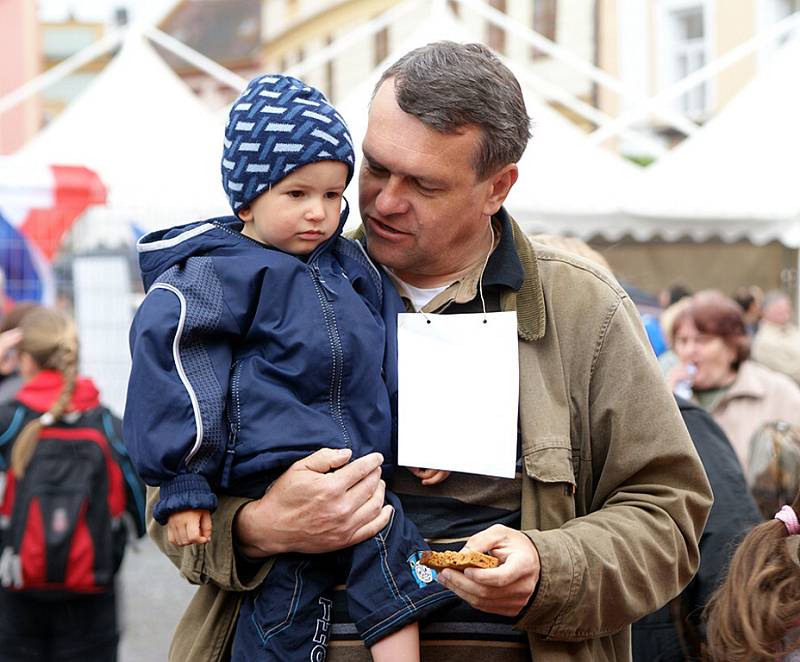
(41,392)
(162,249)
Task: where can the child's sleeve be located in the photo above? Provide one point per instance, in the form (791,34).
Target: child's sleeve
(174,424)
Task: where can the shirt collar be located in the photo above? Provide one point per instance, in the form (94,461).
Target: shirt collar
(504,266)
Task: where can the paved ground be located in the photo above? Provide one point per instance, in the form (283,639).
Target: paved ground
(153,598)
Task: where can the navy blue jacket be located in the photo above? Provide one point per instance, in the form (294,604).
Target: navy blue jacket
(246,358)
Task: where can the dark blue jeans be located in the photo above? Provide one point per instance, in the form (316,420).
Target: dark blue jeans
(71,630)
(289,616)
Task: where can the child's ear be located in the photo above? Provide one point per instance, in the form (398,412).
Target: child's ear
(245,214)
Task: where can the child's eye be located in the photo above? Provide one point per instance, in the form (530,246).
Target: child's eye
(333,195)
(295,194)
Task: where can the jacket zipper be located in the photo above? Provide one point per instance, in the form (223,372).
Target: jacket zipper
(233,426)
(326,295)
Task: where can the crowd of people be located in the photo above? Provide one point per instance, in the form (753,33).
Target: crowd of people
(262,413)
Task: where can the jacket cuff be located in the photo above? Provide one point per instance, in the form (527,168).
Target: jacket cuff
(184,492)
(560,578)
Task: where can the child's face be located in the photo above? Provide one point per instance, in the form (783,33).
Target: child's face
(301,211)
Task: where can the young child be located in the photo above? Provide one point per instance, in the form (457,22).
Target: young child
(755,614)
(262,339)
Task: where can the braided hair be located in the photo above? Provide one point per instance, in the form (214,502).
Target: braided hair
(50,338)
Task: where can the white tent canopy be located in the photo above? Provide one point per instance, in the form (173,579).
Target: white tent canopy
(738,177)
(142,129)
(562,176)
(566,185)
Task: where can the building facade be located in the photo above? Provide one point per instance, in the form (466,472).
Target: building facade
(652,44)
(20,47)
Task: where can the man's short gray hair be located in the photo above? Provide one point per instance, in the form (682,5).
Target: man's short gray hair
(450,86)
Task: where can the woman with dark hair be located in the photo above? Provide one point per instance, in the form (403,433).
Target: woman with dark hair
(711,341)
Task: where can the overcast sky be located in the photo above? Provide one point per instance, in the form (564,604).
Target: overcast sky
(100,10)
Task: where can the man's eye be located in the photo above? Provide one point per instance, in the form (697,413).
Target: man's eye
(375,169)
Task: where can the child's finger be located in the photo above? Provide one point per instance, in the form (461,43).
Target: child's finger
(435,476)
(193,530)
(205,525)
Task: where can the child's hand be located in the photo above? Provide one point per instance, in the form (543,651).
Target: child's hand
(429,476)
(8,342)
(189,527)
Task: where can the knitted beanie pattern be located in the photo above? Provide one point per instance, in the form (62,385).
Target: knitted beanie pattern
(279,124)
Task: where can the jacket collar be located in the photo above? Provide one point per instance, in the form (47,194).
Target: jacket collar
(528,301)
(41,392)
(525,293)
(748,384)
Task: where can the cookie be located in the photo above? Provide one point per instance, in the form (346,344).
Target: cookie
(458,560)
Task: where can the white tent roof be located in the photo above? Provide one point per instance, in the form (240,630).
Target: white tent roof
(738,177)
(153,143)
(565,183)
(563,178)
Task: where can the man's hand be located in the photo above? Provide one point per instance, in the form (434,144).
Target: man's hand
(312,510)
(504,590)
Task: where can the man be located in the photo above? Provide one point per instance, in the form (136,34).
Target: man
(601,524)
(777,341)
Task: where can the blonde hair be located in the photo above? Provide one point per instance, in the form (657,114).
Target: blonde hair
(759,603)
(50,338)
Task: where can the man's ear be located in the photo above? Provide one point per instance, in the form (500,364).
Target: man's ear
(500,184)
(245,214)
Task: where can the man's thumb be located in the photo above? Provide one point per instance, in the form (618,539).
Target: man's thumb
(325,459)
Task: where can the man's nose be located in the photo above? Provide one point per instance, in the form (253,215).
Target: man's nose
(391,198)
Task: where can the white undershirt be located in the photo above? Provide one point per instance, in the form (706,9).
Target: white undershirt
(419,296)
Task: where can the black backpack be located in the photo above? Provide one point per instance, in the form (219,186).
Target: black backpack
(62,525)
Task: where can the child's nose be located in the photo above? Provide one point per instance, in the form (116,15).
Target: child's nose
(315,211)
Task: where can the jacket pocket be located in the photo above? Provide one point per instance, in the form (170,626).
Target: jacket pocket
(549,489)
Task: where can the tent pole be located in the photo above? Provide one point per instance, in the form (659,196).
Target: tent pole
(42,81)
(674,118)
(195,58)
(655,103)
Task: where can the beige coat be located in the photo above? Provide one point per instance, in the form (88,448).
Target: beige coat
(778,347)
(614,496)
(758,395)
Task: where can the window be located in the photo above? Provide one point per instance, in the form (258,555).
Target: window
(770,13)
(495,35)
(784,8)
(544,22)
(330,72)
(381,45)
(688,55)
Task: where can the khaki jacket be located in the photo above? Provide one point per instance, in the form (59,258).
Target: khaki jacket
(614,495)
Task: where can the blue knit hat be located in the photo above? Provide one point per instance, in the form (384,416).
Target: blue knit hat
(279,124)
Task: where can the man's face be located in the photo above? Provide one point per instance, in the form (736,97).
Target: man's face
(779,312)
(425,212)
